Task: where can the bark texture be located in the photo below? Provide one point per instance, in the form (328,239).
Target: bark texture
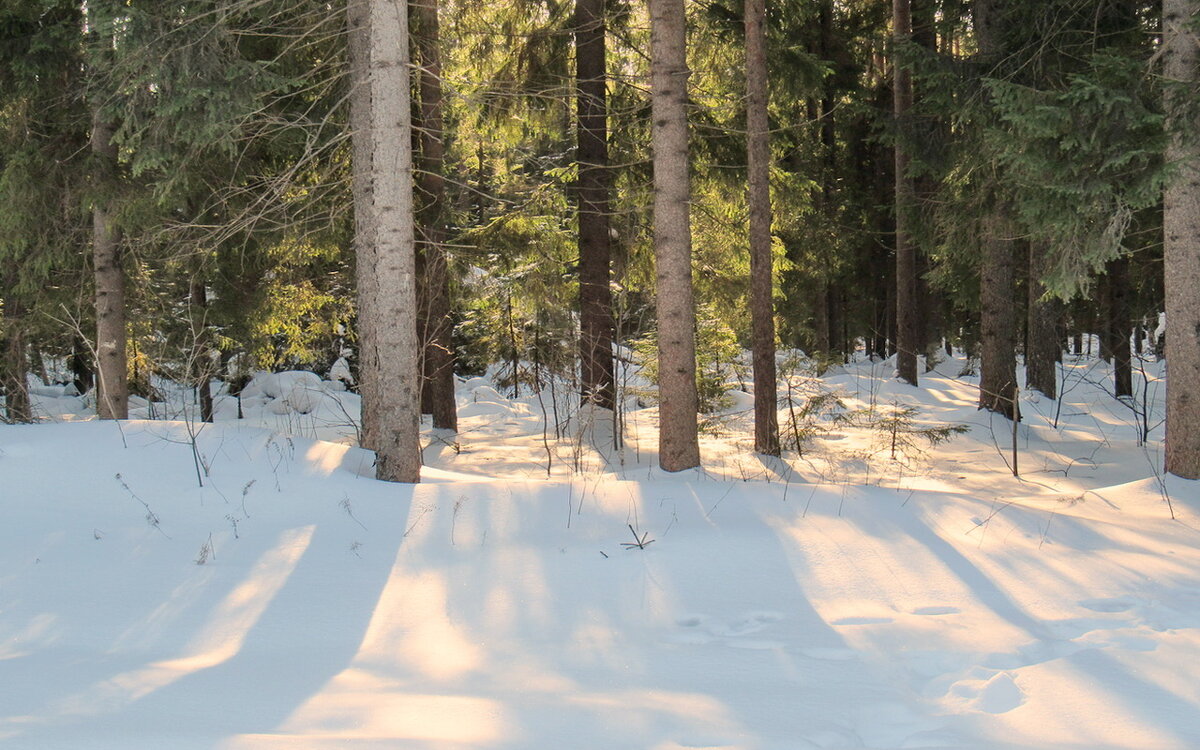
(758,160)
(595,253)
(358,44)
(1045,315)
(202,364)
(1181,237)
(908,324)
(997,320)
(398,349)
(437,394)
(997,355)
(679,446)
(112,394)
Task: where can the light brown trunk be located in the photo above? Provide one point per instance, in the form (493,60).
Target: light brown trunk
(1181,236)
(679,447)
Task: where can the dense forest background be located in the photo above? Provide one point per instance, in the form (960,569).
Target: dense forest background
(184,187)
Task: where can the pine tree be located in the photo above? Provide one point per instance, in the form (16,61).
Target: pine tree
(437,395)
(1181,236)
(679,446)
(591,134)
(387,252)
(908,328)
(762,309)
(998,362)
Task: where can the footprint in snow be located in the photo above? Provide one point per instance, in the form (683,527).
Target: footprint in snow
(703,629)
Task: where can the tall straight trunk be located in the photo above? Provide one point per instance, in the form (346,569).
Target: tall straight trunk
(822,340)
(112,396)
(13,382)
(202,370)
(1044,315)
(595,254)
(437,393)
(997,318)
(358,48)
(398,349)
(1117,324)
(908,328)
(997,281)
(758,160)
(679,446)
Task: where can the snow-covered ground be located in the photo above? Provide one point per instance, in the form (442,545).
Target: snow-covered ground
(166,584)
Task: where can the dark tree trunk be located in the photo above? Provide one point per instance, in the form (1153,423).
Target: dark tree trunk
(112,397)
(201,354)
(437,363)
(1044,314)
(998,361)
(13,370)
(822,341)
(1116,326)
(997,321)
(80,365)
(762,312)
(358,46)
(908,328)
(591,132)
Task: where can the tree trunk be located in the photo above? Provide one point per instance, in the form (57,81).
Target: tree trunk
(437,394)
(1041,354)
(997,321)
(679,446)
(398,453)
(1116,326)
(13,381)
(80,365)
(998,361)
(201,354)
(358,47)
(112,396)
(908,328)
(758,160)
(591,133)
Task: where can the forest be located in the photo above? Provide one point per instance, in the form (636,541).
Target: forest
(202,190)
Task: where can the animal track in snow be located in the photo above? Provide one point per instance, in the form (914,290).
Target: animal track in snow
(703,629)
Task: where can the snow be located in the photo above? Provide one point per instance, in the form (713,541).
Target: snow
(246,584)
